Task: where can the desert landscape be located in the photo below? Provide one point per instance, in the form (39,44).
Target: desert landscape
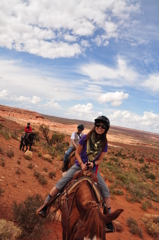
(130,169)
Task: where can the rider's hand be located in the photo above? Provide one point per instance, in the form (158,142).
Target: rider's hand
(90,164)
(84,166)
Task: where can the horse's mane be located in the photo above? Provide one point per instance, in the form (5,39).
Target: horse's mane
(93,218)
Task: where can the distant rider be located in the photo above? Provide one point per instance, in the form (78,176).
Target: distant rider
(27,130)
(75,137)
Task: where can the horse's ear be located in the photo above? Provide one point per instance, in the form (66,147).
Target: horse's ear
(81,209)
(110,217)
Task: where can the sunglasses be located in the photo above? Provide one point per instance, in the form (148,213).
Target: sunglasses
(100,125)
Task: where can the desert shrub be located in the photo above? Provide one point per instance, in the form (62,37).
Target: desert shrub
(14,136)
(146,205)
(52,174)
(42,180)
(141,160)
(151,176)
(57,138)
(40,177)
(152,228)
(39,154)
(8,230)
(1,126)
(1,151)
(30,165)
(17,171)
(10,153)
(45,131)
(24,215)
(6,134)
(134,228)
(2,162)
(45,169)
(37,137)
(36,174)
(59,147)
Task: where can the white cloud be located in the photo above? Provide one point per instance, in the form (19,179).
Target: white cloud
(4,94)
(149,121)
(81,109)
(23,99)
(152,83)
(53,104)
(114,97)
(122,74)
(39,27)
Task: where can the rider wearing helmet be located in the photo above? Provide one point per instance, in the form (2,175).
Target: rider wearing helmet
(75,137)
(90,152)
(27,130)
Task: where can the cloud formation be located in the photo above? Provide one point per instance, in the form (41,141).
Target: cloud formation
(47,29)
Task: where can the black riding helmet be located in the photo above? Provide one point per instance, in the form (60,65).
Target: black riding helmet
(104,120)
(80,127)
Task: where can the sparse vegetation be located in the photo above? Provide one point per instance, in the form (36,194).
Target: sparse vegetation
(52,174)
(30,165)
(134,228)
(39,154)
(152,227)
(24,215)
(40,177)
(8,230)
(10,153)
(2,162)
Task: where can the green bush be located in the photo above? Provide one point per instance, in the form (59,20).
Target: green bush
(8,230)
(24,215)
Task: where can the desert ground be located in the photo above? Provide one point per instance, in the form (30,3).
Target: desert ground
(130,169)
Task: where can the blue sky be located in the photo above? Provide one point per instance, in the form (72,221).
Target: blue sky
(82,59)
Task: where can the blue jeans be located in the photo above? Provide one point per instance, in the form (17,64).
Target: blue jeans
(67,154)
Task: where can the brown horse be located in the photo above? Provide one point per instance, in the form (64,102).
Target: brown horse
(82,215)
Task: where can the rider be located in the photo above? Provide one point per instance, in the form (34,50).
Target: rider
(75,137)
(89,153)
(27,130)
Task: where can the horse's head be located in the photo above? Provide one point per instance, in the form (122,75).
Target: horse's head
(92,222)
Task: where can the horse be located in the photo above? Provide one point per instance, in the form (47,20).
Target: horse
(29,140)
(82,213)
(70,161)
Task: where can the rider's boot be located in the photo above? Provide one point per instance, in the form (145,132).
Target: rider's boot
(44,209)
(109,226)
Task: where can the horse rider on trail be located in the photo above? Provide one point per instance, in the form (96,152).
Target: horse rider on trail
(75,137)
(27,130)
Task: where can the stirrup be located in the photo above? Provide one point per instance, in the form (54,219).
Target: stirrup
(44,209)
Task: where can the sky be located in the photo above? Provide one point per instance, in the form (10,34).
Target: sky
(81,59)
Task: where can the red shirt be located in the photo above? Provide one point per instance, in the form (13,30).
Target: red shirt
(28,130)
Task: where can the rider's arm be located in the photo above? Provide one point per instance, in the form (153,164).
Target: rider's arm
(78,157)
(74,144)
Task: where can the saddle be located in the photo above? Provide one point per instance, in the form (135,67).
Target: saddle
(78,177)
